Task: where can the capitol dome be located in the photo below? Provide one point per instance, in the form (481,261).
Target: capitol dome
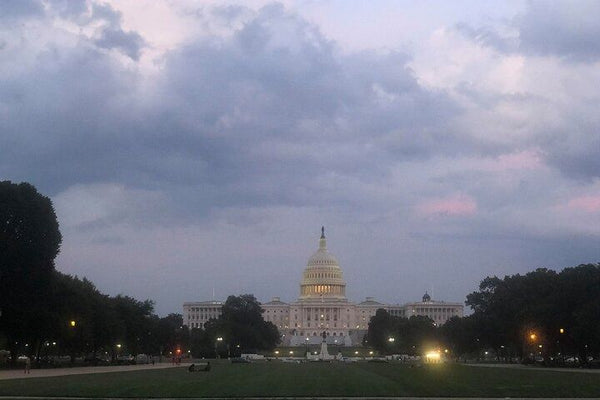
(322,277)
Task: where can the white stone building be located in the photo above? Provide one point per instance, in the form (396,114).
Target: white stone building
(323,307)
(197,313)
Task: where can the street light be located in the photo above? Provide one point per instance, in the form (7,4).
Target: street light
(307,340)
(72,323)
(219,339)
(533,336)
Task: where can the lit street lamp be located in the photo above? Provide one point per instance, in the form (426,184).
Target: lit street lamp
(219,340)
(532,337)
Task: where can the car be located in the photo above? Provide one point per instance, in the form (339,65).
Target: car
(22,359)
(142,359)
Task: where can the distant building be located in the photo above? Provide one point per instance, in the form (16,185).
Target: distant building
(323,307)
(197,313)
(438,311)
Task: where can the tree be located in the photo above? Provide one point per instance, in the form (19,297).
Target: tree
(133,319)
(29,242)
(168,334)
(242,326)
(389,334)
(540,312)
(382,326)
(460,336)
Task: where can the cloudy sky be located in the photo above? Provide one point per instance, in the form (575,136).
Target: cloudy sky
(198,146)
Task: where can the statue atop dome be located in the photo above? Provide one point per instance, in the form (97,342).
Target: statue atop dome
(322,232)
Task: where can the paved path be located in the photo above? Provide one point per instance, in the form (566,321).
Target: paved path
(527,367)
(40,373)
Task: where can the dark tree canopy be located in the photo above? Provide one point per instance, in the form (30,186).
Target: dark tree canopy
(560,309)
(29,242)
(242,326)
(40,306)
(388,334)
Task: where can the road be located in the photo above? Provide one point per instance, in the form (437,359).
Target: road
(39,373)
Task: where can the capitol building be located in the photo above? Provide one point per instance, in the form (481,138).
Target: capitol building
(323,307)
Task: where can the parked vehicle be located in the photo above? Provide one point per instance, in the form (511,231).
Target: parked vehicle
(142,359)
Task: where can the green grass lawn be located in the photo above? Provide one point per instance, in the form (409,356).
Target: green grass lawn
(314,379)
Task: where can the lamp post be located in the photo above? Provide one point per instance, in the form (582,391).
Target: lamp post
(532,338)
(117,351)
(391,341)
(559,342)
(307,339)
(72,324)
(219,339)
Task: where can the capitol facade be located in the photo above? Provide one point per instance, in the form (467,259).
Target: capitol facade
(323,307)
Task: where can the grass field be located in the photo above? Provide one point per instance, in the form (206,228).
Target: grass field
(314,379)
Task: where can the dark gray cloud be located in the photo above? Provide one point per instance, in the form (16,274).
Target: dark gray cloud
(112,36)
(129,43)
(267,113)
(563,29)
(567,30)
(255,119)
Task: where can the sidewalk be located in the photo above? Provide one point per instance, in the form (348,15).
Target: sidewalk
(41,373)
(521,366)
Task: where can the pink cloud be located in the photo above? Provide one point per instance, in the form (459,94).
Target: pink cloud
(456,205)
(585,203)
(527,159)
(520,160)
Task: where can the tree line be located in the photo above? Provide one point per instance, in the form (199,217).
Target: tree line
(45,313)
(542,315)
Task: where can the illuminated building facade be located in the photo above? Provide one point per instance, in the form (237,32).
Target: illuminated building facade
(323,307)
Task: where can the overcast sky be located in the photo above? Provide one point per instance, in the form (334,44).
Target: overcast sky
(192,146)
